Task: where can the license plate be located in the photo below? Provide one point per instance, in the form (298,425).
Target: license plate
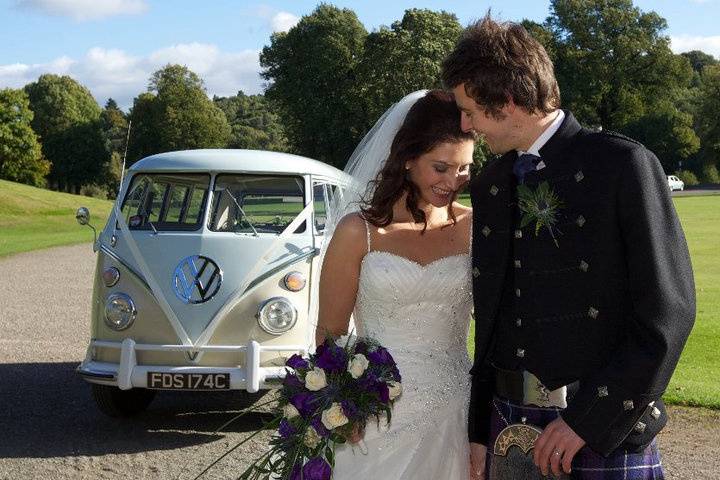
(188,381)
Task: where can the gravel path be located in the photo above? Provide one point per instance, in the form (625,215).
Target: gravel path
(50,428)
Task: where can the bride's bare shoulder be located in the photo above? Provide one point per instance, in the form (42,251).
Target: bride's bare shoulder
(351,233)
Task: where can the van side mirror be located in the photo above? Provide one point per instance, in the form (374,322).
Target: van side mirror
(83,216)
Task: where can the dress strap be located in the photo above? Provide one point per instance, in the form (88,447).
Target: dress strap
(367,230)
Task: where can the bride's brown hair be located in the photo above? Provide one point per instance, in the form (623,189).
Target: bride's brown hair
(432,120)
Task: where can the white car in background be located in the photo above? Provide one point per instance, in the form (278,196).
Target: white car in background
(675,183)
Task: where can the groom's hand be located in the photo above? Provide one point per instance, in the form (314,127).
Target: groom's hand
(478,454)
(558,443)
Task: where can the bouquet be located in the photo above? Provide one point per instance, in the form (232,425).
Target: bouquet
(325,400)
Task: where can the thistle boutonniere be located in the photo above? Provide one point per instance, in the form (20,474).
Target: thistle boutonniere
(540,205)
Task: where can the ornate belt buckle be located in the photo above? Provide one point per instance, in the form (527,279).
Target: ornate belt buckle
(535,393)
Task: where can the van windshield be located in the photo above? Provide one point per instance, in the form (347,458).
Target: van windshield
(256,203)
(166,201)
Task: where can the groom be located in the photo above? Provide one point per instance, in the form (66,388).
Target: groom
(583,288)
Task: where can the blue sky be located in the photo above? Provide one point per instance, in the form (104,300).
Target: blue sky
(112,46)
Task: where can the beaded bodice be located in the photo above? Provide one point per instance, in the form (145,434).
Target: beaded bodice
(421,313)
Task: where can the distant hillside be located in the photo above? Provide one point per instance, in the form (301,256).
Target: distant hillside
(32,218)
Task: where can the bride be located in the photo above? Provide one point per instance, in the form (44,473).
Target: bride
(399,263)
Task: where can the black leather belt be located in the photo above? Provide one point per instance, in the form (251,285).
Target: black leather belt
(524,388)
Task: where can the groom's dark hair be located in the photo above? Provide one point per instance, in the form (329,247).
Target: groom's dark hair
(499,61)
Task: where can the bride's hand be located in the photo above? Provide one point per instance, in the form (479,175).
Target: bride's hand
(478,455)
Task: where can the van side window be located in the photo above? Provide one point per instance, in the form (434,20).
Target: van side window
(320,206)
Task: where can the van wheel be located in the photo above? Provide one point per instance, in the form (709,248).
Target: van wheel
(114,402)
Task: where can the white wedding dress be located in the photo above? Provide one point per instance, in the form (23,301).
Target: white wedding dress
(421,314)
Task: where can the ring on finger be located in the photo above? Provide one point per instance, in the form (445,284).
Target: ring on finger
(557,453)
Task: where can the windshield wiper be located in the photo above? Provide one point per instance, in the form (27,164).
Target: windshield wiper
(245,216)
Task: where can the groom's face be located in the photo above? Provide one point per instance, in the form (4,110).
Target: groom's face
(499,132)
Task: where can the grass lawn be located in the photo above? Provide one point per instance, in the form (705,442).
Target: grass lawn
(696,379)
(33,218)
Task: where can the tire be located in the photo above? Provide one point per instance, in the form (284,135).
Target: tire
(114,402)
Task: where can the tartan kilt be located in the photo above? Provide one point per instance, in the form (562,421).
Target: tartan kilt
(587,465)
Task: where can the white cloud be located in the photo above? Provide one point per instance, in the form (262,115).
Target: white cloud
(283,21)
(83,10)
(117,74)
(685,43)
(277,20)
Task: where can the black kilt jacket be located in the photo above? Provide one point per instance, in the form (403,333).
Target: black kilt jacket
(611,305)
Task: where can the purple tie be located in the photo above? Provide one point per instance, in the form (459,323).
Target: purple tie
(527,162)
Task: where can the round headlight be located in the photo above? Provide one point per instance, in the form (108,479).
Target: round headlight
(294,281)
(120,311)
(110,276)
(277,315)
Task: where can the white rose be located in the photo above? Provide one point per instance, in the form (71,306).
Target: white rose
(357,365)
(395,389)
(334,417)
(315,379)
(311,438)
(289,411)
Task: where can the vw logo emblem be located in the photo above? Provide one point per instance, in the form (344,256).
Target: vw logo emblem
(196,279)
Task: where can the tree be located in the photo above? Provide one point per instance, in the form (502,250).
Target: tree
(699,60)
(706,120)
(404,58)
(254,123)
(612,61)
(668,132)
(175,114)
(616,71)
(115,125)
(21,157)
(311,70)
(67,119)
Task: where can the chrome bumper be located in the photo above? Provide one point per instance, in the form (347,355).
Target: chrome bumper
(128,374)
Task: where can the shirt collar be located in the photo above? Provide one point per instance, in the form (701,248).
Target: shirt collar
(546,135)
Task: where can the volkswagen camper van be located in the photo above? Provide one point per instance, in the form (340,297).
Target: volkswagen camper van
(204,274)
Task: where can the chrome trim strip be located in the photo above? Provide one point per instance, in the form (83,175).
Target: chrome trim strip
(311,253)
(88,372)
(115,257)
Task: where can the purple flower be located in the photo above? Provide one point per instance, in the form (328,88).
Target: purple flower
(331,358)
(292,381)
(381,357)
(297,362)
(349,408)
(295,472)
(286,429)
(383,392)
(304,402)
(319,427)
(316,469)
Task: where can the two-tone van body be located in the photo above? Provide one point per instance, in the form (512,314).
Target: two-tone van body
(204,274)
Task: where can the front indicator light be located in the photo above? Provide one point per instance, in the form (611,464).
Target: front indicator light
(110,276)
(294,281)
(120,311)
(277,315)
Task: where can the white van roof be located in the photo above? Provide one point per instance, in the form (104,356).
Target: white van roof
(228,160)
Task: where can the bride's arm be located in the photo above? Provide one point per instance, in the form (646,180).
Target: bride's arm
(339,277)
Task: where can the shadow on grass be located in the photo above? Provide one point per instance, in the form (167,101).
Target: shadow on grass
(48,411)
